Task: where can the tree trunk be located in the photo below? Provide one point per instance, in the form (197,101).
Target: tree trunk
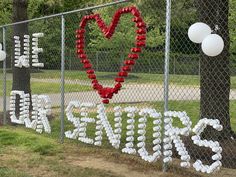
(215,71)
(21,76)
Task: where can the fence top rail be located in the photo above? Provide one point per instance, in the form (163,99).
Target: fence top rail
(66,13)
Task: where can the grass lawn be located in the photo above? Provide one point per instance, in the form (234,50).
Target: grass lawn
(24,153)
(140,78)
(133,77)
(47,87)
(192,80)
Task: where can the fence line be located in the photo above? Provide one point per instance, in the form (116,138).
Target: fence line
(166,70)
(4,79)
(66,13)
(62,77)
(167,91)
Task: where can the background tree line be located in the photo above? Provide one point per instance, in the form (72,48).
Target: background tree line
(182,49)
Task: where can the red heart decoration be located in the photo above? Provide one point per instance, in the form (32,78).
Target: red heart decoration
(106,92)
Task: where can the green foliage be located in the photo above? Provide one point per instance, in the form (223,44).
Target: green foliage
(27,153)
(232,22)
(184,13)
(7,139)
(98,41)
(180,42)
(5,11)
(38,8)
(125,32)
(8,172)
(42,145)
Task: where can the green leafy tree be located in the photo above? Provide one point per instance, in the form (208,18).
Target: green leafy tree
(215,72)
(21,76)
(5,11)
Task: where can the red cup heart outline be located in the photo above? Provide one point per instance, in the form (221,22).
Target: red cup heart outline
(107,92)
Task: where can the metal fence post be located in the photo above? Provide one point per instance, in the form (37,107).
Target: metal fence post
(199,67)
(62,77)
(174,65)
(97,55)
(167,58)
(4,79)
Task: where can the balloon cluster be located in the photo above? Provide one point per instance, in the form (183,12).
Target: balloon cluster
(107,92)
(212,44)
(2,53)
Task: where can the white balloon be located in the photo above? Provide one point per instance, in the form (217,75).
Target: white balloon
(198,31)
(213,45)
(2,55)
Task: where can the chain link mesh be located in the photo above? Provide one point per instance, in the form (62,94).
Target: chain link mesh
(1,82)
(199,85)
(144,85)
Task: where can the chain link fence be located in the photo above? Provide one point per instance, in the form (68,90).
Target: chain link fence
(202,86)
(2,79)
(193,82)
(43,81)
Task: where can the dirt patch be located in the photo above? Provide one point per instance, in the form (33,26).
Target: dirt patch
(81,157)
(119,169)
(122,169)
(22,161)
(131,166)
